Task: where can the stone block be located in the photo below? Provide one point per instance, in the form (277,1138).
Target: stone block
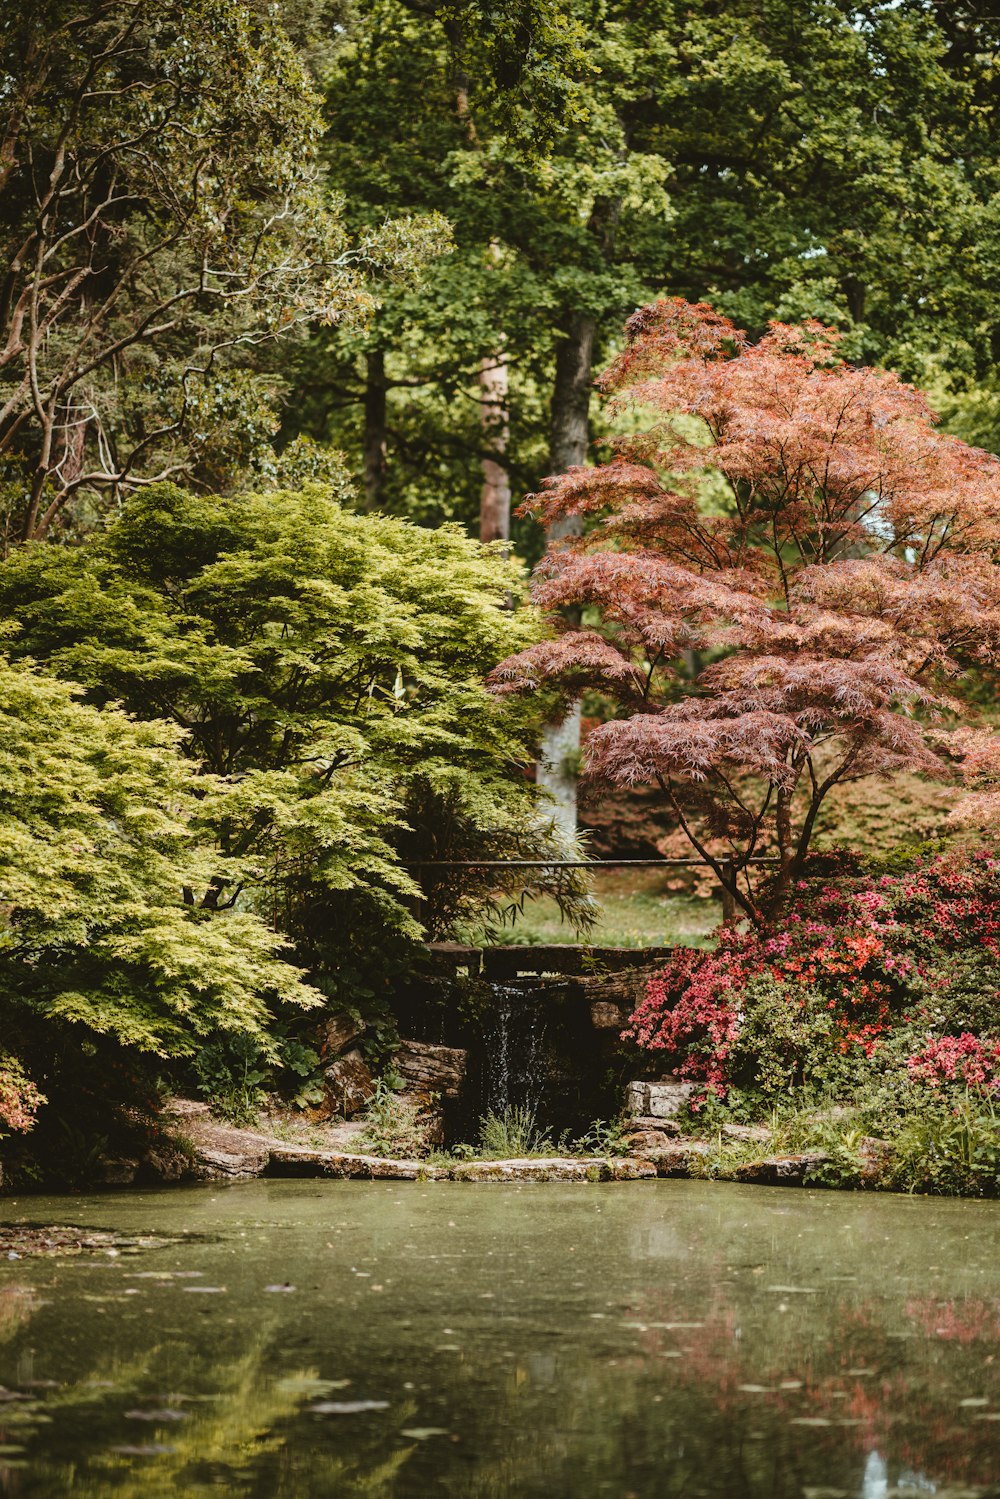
(555,1169)
(454,959)
(349,1083)
(426,1068)
(642,1141)
(337,1033)
(116,1171)
(678,1157)
(658,1100)
(781,1170)
(607,1016)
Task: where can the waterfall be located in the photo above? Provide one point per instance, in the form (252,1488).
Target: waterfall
(514,1070)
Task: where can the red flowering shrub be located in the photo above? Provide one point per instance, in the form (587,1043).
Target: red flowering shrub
(19,1098)
(893,971)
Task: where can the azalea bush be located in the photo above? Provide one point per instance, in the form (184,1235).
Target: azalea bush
(20,1099)
(887,982)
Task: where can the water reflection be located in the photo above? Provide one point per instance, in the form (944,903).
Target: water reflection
(664,1340)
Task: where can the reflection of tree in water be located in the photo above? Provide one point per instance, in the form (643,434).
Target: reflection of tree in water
(708,1410)
(16,1306)
(682,1410)
(689,1381)
(237,1431)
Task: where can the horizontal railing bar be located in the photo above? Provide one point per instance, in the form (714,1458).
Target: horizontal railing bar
(572,863)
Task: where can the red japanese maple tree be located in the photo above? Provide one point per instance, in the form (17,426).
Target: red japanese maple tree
(801,530)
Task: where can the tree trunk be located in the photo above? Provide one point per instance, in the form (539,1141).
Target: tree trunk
(570,431)
(558,763)
(494,498)
(375,438)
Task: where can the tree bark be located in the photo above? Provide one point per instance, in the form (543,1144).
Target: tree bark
(375,448)
(558,761)
(570,429)
(494,499)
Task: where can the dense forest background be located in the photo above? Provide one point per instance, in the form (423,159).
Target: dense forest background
(410,234)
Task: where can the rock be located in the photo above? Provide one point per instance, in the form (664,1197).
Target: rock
(875,1157)
(338,1032)
(676,1160)
(606,1016)
(454,959)
(166,1161)
(781,1170)
(116,1171)
(658,1100)
(746,1132)
(246,1160)
(543,1169)
(187,1108)
(349,1083)
(649,1121)
(297,1160)
(570,958)
(642,1141)
(428,1069)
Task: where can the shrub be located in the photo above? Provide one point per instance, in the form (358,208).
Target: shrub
(510,1134)
(879,980)
(19,1098)
(393,1126)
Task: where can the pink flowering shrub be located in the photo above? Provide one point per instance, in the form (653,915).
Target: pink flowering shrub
(896,970)
(19,1098)
(963,1059)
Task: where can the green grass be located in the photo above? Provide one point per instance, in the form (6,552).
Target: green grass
(638,909)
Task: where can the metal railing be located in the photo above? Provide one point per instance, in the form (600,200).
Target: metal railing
(728,867)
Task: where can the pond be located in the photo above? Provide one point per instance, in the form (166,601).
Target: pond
(296,1339)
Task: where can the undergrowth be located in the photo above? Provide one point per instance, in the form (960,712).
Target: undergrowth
(512,1134)
(393,1126)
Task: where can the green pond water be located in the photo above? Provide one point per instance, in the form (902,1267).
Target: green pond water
(292,1339)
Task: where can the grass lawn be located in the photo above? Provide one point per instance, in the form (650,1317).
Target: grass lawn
(637,910)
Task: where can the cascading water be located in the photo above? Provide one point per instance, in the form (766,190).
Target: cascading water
(514,1062)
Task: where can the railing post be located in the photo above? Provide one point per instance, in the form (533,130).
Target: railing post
(728,898)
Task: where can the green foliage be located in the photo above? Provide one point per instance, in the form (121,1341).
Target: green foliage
(607,1137)
(885,818)
(949,1148)
(393,1126)
(946,1146)
(325,669)
(160,218)
(232,1075)
(306,1067)
(512,1134)
(101,829)
(792,160)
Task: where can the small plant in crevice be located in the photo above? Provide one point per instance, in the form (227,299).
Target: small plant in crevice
(512,1133)
(604,1137)
(393,1126)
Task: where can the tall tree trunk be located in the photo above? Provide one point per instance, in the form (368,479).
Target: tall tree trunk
(570,412)
(375,438)
(558,763)
(494,498)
